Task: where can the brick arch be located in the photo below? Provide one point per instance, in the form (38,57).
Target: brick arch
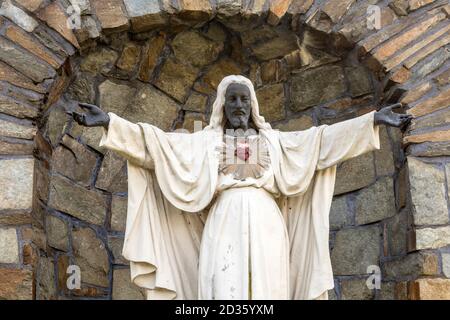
(408,56)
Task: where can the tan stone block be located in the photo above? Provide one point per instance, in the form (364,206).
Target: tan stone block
(16,184)
(30,5)
(297,124)
(430,105)
(335,9)
(356,289)
(434,136)
(16,284)
(18,16)
(111,15)
(277,9)
(144,14)
(9,246)
(26,41)
(118,213)
(432,238)
(17,109)
(427,50)
(415,93)
(152,51)
(433,289)
(129,58)
(12,76)
(56,19)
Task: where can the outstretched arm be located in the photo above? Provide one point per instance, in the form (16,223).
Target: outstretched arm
(348,139)
(119,135)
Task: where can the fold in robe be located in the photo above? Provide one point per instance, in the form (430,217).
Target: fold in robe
(172,178)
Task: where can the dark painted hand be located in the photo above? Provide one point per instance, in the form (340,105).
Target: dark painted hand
(92,117)
(388,117)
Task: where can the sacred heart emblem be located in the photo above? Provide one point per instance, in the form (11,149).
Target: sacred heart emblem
(242,151)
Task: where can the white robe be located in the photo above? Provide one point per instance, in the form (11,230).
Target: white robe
(173,177)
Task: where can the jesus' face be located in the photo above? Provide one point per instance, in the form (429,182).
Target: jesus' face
(238,105)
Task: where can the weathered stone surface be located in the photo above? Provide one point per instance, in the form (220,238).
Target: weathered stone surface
(415,93)
(433,289)
(316,86)
(45,287)
(25,62)
(15,130)
(91,256)
(115,244)
(433,136)
(16,183)
(396,43)
(196,102)
(269,43)
(176,78)
(359,81)
(30,5)
(443,78)
(54,16)
(129,58)
(339,213)
(111,15)
(151,106)
(271,102)
(74,161)
(356,289)
(62,264)
(112,175)
(115,97)
(195,48)
(432,238)
(86,205)
(215,74)
(195,9)
(432,104)
(435,119)
(397,229)
(123,288)
(355,174)
(17,109)
(376,202)
(57,233)
(446,264)
(13,148)
(427,193)
(414,264)
(387,291)
(151,54)
(9,246)
(277,9)
(56,122)
(355,250)
(82,89)
(384,158)
(18,16)
(16,284)
(118,213)
(430,149)
(297,124)
(11,219)
(99,61)
(144,14)
(12,76)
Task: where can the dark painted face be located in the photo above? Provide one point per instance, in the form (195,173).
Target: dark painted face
(238,105)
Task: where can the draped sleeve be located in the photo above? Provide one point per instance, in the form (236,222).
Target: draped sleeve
(348,139)
(126,139)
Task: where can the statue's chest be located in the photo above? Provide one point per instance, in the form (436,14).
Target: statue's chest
(244,157)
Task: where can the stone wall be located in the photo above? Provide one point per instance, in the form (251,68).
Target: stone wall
(64,198)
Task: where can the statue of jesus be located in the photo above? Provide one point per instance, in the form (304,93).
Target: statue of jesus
(236,210)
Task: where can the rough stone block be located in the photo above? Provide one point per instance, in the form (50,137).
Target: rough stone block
(123,289)
(91,256)
(57,233)
(355,174)
(271,102)
(16,284)
(432,238)
(355,250)
(118,213)
(376,202)
(16,184)
(427,193)
(356,289)
(339,213)
(9,246)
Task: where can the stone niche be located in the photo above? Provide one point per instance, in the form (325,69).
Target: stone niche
(162,66)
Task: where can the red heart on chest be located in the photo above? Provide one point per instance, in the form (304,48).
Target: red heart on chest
(242,151)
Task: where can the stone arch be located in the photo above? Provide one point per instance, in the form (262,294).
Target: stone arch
(40,56)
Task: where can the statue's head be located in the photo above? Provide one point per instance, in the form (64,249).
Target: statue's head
(237,106)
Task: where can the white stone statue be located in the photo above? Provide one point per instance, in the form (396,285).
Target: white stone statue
(199,227)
